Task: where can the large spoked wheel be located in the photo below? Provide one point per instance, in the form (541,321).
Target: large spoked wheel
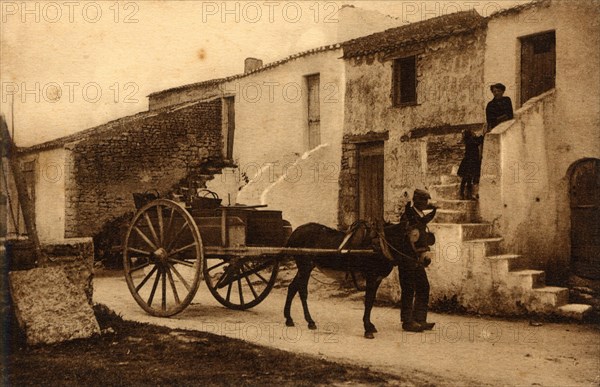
(163,257)
(240,282)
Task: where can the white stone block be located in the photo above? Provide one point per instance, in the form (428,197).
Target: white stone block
(50,307)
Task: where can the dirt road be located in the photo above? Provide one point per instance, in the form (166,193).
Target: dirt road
(460,350)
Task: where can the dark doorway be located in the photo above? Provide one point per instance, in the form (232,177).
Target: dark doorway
(538,64)
(585,218)
(230,118)
(370,181)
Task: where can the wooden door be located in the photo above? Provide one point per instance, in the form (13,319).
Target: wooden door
(538,64)
(370,181)
(314,111)
(585,219)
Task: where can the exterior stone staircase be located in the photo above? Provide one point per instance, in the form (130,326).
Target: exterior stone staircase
(473,268)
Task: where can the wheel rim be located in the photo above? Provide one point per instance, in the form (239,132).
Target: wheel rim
(163,258)
(240,282)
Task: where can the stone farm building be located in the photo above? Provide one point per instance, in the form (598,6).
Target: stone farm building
(410,91)
(81,182)
(349,130)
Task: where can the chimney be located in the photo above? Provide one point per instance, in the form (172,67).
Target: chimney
(251,64)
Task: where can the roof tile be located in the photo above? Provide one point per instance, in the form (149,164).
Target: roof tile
(434,28)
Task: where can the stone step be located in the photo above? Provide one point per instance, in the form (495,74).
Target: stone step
(450,179)
(457,205)
(461,231)
(552,296)
(445,191)
(453,216)
(504,262)
(575,311)
(472,231)
(484,247)
(527,279)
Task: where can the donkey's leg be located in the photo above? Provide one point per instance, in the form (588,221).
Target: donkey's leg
(373,283)
(292,290)
(304,276)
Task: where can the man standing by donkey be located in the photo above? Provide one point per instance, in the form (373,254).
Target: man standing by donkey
(413,278)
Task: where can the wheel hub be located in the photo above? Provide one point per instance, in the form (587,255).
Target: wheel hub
(161,254)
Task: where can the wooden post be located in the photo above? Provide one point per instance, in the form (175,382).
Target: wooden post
(9,150)
(224,229)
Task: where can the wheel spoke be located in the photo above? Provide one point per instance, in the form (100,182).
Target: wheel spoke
(151,227)
(164,290)
(251,287)
(216,266)
(261,277)
(177,236)
(226,276)
(239,281)
(170,276)
(142,252)
(163,254)
(256,273)
(229,292)
(148,276)
(145,238)
(181,262)
(256,270)
(169,225)
(136,268)
(154,286)
(187,286)
(181,249)
(161,228)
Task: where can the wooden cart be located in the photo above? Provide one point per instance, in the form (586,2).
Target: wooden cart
(168,249)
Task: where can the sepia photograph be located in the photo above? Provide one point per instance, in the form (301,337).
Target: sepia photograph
(300,193)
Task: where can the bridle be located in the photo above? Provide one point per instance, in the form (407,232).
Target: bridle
(384,241)
(387,246)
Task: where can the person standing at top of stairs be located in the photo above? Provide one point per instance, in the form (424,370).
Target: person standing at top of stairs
(470,166)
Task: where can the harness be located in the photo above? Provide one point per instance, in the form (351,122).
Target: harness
(350,233)
(386,246)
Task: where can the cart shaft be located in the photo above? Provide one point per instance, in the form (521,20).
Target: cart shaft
(274,251)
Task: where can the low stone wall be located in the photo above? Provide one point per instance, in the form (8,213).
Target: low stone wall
(75,255)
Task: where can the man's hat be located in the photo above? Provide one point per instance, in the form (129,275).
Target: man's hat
(498,86)
(421,194)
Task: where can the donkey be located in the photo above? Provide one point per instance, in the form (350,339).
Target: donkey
(388,243)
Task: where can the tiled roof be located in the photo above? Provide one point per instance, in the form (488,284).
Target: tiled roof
(258,70)
(430,29)
(520,8)
(104,128)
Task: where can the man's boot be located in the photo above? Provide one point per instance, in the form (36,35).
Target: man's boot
(476,191)
(469,195)
(427,326)
(412,326)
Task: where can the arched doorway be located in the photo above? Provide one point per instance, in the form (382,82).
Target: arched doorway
(584,195)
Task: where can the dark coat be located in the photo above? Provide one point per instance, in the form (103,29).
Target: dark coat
(412,217)
(497,111)
(470,165)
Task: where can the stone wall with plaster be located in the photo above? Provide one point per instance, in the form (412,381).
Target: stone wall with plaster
(525,182)
(424,138)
